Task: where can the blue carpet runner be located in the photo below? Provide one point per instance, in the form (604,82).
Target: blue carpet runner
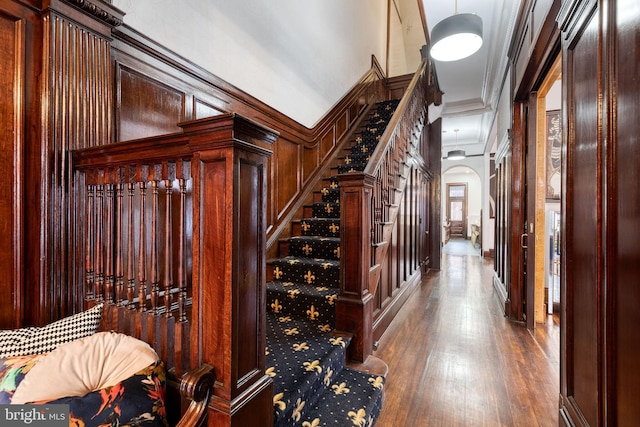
(312,385)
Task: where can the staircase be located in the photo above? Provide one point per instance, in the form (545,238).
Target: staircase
(304,356)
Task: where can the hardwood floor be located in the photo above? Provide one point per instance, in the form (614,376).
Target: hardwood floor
(454,360)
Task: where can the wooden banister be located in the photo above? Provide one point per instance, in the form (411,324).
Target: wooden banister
(180,221)
(369,203)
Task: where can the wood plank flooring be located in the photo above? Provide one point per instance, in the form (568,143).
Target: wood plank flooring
(454,360)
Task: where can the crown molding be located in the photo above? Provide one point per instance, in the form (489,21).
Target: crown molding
(100,10)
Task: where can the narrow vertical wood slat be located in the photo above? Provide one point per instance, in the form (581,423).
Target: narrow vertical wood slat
(142,253)
(108,242)
(119,253)
(153,276)
(99,198)
(182,273)
(131,276)
(182,330)
(90,243)
(167,323)
(168,248)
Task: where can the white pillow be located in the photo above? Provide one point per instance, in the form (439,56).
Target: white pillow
(38,340)
(83,366)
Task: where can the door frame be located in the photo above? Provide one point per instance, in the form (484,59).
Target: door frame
(536,195)
(464,205)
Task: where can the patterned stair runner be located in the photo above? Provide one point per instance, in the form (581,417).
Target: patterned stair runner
(312,385)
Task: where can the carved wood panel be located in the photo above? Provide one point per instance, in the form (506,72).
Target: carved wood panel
(12,90)
(148,107)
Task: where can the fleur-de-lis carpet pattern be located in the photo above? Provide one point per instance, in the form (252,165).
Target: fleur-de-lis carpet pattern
(312,386)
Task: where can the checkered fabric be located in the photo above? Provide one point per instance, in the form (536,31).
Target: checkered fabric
(38,340)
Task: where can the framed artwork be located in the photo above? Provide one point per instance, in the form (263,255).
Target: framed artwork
(554,154)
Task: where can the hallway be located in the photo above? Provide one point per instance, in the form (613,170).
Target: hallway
(454,360)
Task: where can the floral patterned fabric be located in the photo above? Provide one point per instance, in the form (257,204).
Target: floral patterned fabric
(136,401)
(12,372)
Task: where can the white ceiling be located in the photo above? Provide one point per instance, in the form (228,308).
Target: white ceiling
(472,85)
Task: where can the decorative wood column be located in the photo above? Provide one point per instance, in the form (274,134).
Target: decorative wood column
(76,108)
(354,308)
(229,170)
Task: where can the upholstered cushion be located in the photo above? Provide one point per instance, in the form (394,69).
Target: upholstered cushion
(88,364)
(136,401)
(38,340)
(12,372)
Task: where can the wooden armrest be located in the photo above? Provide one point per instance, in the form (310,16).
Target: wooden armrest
(197,386)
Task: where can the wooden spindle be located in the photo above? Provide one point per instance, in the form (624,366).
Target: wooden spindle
(98,248)
(108,243)
(89,244)
(182,273)
(168,253)
(119,253)
(154,247)
(131,277)
(142,251)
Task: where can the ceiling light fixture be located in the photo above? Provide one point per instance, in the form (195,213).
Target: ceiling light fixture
(456,37)
(456,154)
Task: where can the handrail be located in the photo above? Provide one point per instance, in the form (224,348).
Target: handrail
(369,205)
(388,160)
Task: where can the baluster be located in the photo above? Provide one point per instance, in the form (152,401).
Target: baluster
(154,247)
(89,244)
(131,277)
(142,252)
(119,251)
(182,273)
(108,246)
(98,242)
(168,258)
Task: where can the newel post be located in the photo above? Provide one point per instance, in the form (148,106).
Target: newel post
(229,169)
(354,308)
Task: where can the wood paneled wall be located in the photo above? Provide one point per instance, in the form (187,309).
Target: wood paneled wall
(56,74)
(78,79)
(156,89)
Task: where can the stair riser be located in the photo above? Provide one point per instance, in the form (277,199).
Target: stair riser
(314,247)
(311,275)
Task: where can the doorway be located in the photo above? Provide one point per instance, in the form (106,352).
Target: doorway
(543,194)
(457,209)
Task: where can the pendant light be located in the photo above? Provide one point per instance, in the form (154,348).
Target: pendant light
(456,37)
(456,154)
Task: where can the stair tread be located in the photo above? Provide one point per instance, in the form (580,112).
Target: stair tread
(353,398)
(299,356)
(302,301)
(312,384)
(313,271)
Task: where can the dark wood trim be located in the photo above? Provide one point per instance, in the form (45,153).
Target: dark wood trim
(530,212)
(433,146)
(546,46)
(390,310)
(517,214)
(100,10)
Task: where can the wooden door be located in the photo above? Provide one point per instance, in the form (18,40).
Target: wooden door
(600,256)
(457,209)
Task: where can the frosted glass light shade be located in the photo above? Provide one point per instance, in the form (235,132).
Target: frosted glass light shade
(456,155)
(456,37)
